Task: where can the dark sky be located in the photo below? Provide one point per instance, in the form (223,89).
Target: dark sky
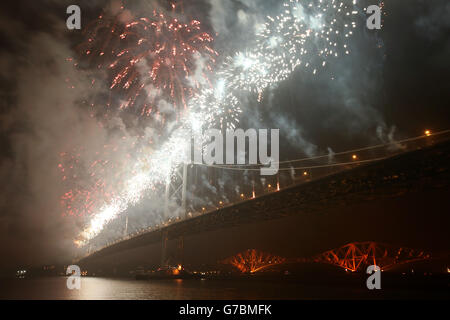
(396,78)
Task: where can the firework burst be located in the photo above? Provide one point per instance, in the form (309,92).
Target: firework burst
(218,107)
(305,34)
(165,55)
(103,38)
(246,71)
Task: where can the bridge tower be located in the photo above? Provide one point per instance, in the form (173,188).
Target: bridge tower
(176,190)
(164,240)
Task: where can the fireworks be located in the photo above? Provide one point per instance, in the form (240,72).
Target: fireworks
(163,54)
(161,58)
(305,34)
(102,39)
(92,178)
(145,172)
(246,71)
(151,58)
(218,107)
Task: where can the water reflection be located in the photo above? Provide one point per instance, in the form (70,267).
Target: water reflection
(128,289)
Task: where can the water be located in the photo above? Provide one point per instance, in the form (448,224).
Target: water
(107,288)
(130,289)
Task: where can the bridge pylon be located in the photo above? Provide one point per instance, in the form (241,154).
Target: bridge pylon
(164,240)
(180,254)
(176,188)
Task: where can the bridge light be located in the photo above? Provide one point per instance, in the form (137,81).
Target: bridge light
(427,133)
(242,195)
(354,157)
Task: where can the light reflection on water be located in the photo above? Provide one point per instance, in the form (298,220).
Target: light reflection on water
(130,289)
(106,289)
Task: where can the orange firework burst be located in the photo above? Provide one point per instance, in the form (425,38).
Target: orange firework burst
(103,37)
(151,58)
(166,55)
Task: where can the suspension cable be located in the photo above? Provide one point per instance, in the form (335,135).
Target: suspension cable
(240,167)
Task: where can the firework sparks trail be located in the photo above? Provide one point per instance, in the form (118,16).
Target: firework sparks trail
(92,178)
(150,170)
(145,173)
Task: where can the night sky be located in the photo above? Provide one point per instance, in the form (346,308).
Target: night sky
(395,81)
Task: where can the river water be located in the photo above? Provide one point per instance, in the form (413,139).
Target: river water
(129,289)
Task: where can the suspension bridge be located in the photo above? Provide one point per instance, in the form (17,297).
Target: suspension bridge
(388,192)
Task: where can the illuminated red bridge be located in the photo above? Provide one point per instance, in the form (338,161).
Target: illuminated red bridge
(354,257)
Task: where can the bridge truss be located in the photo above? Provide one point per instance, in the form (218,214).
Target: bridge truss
(357,256)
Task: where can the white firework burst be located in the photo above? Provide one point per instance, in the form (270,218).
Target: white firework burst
(246,71)
(306,33)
